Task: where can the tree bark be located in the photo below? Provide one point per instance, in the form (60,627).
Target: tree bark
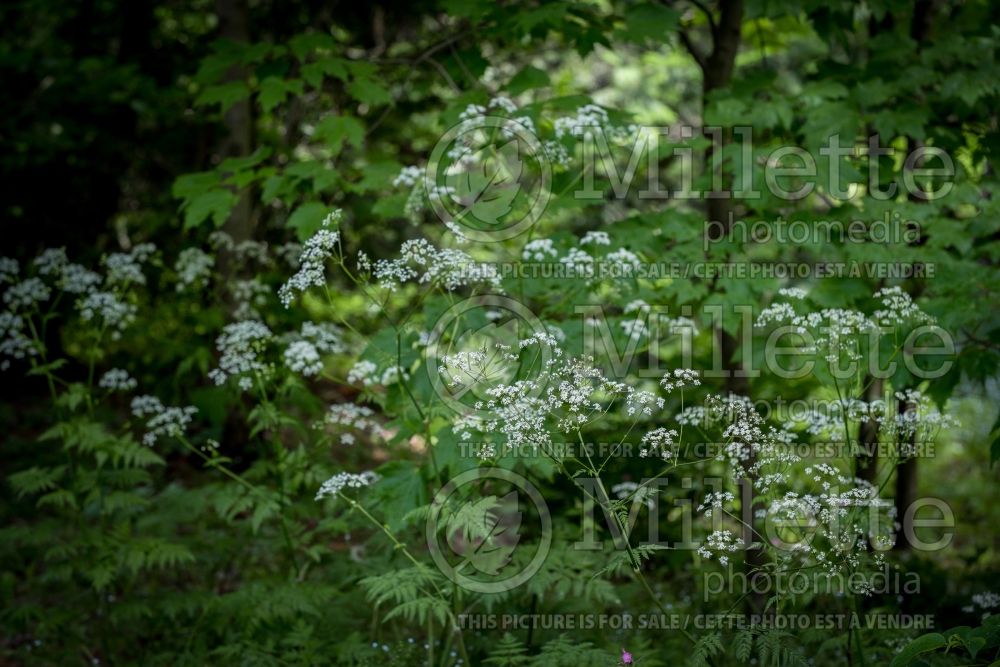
(238,119)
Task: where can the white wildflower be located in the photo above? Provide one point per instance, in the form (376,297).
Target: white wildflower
(241,345)
(193,268)
(117,379)
(303,357)
(51,261)
(26,294)
(115,315)
(346,480)
(312,262)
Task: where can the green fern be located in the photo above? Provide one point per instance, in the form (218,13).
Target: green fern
(508,652)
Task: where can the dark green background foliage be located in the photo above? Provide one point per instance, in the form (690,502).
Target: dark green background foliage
(165,121)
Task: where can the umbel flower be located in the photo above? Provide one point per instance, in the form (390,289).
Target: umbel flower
(312,262)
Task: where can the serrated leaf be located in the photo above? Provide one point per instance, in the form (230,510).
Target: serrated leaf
(223,94)
(214,205)
(491,537)
(487,191)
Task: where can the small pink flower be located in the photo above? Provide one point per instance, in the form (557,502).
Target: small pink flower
(626,657)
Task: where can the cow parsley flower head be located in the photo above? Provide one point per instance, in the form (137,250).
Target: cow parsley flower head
(503,102)
(117,379)
(114,314)
(538,250)
(327,338)
(241,346)
(352,416)
(26,294)
(578,262)
(77,279)
(9,269)
(124,268)
(193,268)
(447,268)
(583,123)
(249,294)
(793,293)
(595,238)
(51,261)
(367,374)
(658,442)
(408,177)
(161,420)
(14,344)
(303,357)
(680,378)
(346,480)
(312,262)
(898,308)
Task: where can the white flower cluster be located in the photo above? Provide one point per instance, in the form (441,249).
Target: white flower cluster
(241,346)
(9,269)
(793,293)
(248,294)
(595,238)
(117,379)
(366,373)
(836,331)
(26,294)
(658,442)
(566,396)
(328,338)
(356,417)
(470,367)
(421,261)
(115,314)
(124,268)
(312,262)
(898,308)
(193,267)
(14,344)
(408,177)
(244,251)
(721,542)
(714,500)
(538,250)
(77,279)
(842,535)
(50,262)
(301,356)
(161,420)
(680,378)
(346,480)
(588,121)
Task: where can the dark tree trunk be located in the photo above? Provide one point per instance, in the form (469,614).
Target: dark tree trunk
(238,120)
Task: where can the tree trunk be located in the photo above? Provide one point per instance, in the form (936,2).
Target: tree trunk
(238,120)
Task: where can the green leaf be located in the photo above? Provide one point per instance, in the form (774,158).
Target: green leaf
(215,205)
(307,219)
(335,130)
(274,90)
(305,44)
(529,78)
(649,21)
(366,90)
(922,644)
(314,73)
(223,94)
(487,191)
